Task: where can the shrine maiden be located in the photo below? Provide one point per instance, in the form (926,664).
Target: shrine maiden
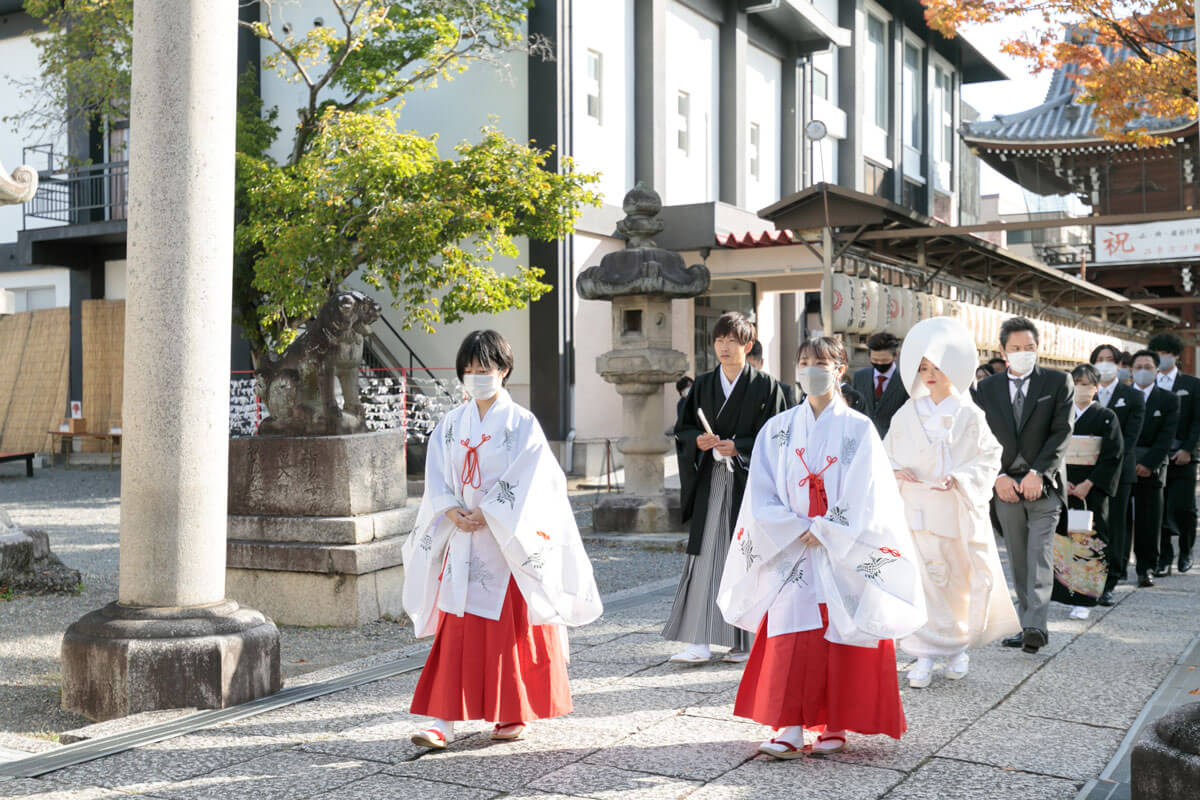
(495,566)
(822,567)
(946,459)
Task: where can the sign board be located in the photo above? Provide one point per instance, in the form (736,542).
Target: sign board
(76,409)
(1176,240)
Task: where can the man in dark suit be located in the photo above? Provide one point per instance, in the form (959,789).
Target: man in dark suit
(755,359)
(1028,409)
(1094,481)
(1153,450)
(1130,407)
(736,401)
(1179,496)
(880,384)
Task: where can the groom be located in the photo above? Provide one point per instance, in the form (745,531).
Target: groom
(1028,409)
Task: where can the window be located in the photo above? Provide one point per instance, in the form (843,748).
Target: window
(755,150)
(820,84)
(34,298)
(913,98)
(876,179)
(944,106)
(912,195)
(595,84)
(683,111)
(877,71)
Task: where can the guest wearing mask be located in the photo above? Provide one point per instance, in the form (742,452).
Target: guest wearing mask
(1094,463)
(755,359)
(1125,368)
(877,383)
(1179,496)
(1130,407)
(1153,449)
(1028,409)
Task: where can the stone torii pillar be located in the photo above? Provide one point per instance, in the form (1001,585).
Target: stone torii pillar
(641,281)
(172,639)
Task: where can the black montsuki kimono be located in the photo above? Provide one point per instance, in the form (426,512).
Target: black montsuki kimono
(756,397)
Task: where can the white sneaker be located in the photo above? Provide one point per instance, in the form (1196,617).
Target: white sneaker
(956,668)
(1080,612)
(693,654)
(920,674)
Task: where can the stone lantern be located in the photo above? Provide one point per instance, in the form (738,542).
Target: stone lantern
(641,281)
(19,187)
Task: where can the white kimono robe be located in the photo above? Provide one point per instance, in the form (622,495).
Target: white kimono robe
(968,600)
(864,571)
(531,533)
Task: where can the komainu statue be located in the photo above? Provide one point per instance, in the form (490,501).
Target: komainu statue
(298,386)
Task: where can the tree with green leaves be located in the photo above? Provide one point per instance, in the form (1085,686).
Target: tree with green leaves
(356,194)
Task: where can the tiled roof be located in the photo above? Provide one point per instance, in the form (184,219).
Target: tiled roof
(764,239)
(1060,118)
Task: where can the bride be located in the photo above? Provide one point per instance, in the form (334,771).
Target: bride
(946,460)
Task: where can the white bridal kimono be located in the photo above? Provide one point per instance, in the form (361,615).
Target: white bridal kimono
(968,601)
(502,465)
(864,571)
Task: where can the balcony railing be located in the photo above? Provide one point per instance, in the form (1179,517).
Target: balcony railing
(76,194)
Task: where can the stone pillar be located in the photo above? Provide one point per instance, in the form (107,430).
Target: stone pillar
(171,639)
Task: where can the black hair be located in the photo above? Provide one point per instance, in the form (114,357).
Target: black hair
(683,383)
(734,325)
(487,348)
(986,367)
(1086,371)
(1015,325)
(823,348)
(883,341)
(1146,352)
(1100,348)
(756,350)
(997,360)
(1166,343)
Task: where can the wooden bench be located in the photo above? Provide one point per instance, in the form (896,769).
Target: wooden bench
(113,441)
(27,457)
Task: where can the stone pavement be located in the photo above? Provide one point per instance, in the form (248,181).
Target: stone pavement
(1019,726)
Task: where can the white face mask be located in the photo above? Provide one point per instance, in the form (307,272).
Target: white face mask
(482,387)
(1107,370)
(1166,363)
(1022,362)
(1143,377)
(816,381)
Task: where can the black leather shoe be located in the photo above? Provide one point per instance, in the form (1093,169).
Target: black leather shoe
(1106,599)
(1033,640)
(1016,640)
(1162,572)
(1185,564)
(1144,580)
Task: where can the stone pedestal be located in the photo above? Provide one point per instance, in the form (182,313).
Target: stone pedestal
(172,640)
(1165,764)
(316,524)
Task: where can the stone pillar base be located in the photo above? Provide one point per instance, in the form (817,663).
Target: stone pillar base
(121,660)
(622,513)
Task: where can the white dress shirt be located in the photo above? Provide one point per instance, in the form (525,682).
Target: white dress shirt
(1167,379)
(1104,396)
(887,377)
(1014,381)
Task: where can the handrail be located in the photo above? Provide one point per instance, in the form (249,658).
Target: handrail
(413,357)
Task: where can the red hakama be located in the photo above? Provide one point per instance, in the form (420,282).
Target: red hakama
(804,679)
(502,670)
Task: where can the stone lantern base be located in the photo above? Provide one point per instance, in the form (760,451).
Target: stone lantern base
(121,660)
(628,514)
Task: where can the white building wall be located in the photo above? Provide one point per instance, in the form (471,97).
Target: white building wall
(764,75)
(604,30)
(114,280)
(18,65)
(58,278)
(692,73)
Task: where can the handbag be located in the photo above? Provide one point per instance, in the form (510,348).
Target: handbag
(1080,562)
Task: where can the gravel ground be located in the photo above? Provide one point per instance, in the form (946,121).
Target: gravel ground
(80,509)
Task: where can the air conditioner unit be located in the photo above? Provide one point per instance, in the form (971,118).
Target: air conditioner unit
(8,302)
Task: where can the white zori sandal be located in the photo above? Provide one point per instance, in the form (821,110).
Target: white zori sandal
(829,742)
(507,731)
(431,738)
(787,744)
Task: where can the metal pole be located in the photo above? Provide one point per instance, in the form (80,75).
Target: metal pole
(827,279)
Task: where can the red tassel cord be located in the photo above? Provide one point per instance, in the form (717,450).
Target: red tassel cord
(818,501)
(471,474)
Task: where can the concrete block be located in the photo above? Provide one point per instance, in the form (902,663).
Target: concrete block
(317,476)
(122,660)
(324,530)
(351,559)
(311,598)
(632,514)
(1165,763)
